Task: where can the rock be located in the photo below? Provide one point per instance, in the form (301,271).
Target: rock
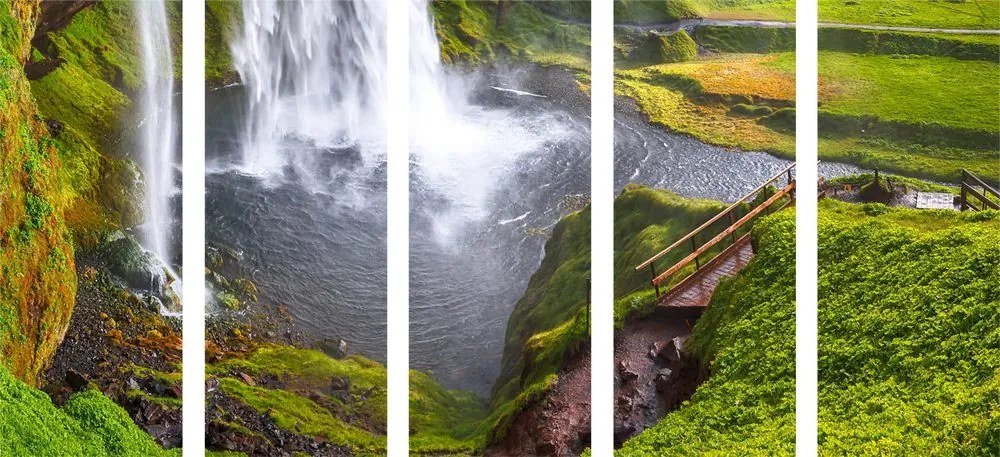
(211,385)
(76,380)
(129,261)
(338,383)
(665,379)
(626,373)
(132,385)
(247,379)
(333,348)
(669,351)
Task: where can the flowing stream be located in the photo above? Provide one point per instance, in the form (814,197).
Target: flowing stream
(158,134)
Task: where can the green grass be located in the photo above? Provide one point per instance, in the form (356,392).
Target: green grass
(908,331)
(920,116)
(444,421)
(468,34)
(660,11)
(305,370)
(970,14)
(747,339)
(914,89)
(88,424)
(548,323)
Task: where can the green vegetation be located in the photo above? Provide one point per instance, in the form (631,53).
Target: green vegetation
(88,424)
(357,419)
(444,421)
(549,323)
(657,48)
(470,33)
(922,116)
(758,40)
(908,331)
(661,11)
(967,14)
(223,19)
(37,279)
(965,47)
(747,339)
(741,94)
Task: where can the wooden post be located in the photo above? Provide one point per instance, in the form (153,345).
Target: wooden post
(694,248)
(964,196)
(731,222)
(652,271)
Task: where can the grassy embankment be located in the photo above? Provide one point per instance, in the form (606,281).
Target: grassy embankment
(971,14)
(661,11)
(740,94)
(921,105)
(356,420)
(746,337)
(909,344)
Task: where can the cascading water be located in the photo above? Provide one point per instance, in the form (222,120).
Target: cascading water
(157,133)
(314,72)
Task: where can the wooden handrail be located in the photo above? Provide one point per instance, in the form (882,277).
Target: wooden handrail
(968,181)
(725,233)
(715,219)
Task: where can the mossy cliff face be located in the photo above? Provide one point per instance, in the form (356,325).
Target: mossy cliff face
(223,19)
(37,277)
(92,73)
(548,325)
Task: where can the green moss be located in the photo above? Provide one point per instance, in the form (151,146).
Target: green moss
(444,421)
(468,32)
(908,339)
(746,337)
(676,47)
(89,424)
(759,40)
(913,13)
(654,11)
(307,371)
(299,414)
(223,19)
(548,323)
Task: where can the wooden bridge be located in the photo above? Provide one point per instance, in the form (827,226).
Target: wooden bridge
(727,250)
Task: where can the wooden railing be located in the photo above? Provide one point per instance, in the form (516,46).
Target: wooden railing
(730,231)
(987,198)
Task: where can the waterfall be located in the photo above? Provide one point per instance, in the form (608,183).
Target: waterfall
(157,130)
(315,74)
(462,148)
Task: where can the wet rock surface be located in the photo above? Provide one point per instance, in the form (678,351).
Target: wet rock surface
(654,374)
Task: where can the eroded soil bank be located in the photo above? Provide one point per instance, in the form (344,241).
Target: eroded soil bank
(653,374)
(559,423)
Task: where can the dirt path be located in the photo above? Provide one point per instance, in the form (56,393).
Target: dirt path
(651,378)
(557,425)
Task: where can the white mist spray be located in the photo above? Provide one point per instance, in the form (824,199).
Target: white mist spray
(315,73)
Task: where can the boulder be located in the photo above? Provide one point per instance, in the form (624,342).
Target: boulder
(136,266)
(335,348)
(339,383)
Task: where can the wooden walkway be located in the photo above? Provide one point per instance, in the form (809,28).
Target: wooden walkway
(725,253)
(696,290)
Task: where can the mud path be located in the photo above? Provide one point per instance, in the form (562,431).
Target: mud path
(652,374)
(559,423)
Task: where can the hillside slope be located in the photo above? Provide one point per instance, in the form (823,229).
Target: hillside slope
(909,331)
